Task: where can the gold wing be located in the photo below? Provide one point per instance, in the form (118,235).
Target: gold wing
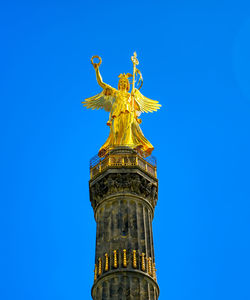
(104,100)
(144,104)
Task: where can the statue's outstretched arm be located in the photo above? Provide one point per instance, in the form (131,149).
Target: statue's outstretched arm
(106,98)
(98,75)
(99,79)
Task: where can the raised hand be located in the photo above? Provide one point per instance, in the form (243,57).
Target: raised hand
(96,65)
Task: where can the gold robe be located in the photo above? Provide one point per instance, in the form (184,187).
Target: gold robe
(124,126)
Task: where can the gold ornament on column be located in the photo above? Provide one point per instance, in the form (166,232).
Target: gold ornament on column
(143,267)
(95,272)
(154,272)
(100,266)
(106,262)
(115,259)
(124,258)
(134,259)
(150,266)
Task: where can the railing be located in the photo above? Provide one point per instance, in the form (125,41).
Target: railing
(99,164)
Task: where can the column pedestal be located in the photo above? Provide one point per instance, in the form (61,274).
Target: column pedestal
(123,194)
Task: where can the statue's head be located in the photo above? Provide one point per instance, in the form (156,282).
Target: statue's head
(123,83)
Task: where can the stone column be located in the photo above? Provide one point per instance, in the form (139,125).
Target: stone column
(123,196)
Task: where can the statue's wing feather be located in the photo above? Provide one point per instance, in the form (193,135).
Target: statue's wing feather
(145,104)
(103,100)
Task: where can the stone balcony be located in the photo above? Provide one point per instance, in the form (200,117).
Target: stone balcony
(122,157)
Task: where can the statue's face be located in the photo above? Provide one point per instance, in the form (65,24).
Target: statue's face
(123,85)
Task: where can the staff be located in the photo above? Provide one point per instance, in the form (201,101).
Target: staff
(135,63)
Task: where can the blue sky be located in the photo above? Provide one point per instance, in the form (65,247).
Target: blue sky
(195,60)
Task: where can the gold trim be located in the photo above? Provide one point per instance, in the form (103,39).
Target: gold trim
(115,259)
(118,160)
(100,266)
(106,262)
(150,266)
(143,267)
(154,272)
(134,259)
(124,258)
(95,273)
(147,264)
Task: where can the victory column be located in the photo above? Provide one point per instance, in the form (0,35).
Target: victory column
(123,192)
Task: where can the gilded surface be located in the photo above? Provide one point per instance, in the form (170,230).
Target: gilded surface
(121,160)
(126,263)
(124,109)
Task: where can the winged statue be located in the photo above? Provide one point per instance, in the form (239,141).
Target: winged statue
(124,109)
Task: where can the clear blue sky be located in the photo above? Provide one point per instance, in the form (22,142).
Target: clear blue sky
(195,60)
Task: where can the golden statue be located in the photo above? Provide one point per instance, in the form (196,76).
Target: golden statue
(125,109)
